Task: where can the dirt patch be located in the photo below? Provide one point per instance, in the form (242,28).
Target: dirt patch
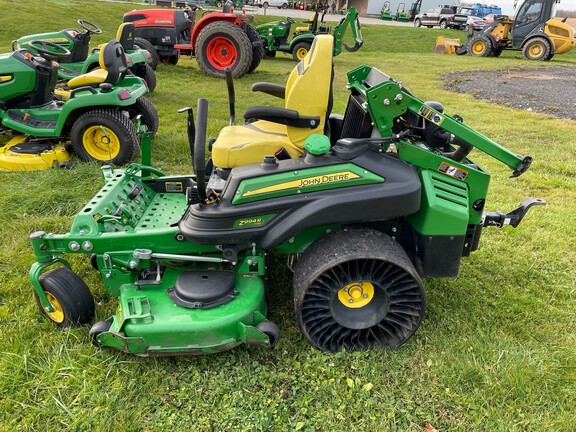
(550,91)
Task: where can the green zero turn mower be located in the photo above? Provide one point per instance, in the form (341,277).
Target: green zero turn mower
(371,201)
(103,120)
(275,34)
(141,57)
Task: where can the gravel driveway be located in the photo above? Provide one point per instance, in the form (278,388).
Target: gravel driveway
(550,91)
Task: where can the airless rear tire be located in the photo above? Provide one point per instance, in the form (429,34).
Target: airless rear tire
(357,289)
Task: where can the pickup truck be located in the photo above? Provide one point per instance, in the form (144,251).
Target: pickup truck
(441,17)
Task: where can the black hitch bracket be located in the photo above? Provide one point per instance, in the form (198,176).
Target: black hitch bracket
(499,219)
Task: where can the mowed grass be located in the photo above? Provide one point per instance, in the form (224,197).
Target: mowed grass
(496,350)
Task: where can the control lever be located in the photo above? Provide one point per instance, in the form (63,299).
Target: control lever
(231,94)
(190,128)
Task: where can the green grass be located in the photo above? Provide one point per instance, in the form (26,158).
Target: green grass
(495,352)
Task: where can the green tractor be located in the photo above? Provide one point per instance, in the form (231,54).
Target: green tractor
(141,60)
(370,202)
(103,119)
(385,13)
(275,35)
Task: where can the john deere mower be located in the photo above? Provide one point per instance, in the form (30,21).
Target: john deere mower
(370,201)
(82,59)
(103,119)
(275,35)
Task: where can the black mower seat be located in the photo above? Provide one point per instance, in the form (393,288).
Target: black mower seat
(113,67)
(308,100)
(125,35)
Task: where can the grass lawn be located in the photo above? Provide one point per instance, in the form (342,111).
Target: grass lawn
(496,350)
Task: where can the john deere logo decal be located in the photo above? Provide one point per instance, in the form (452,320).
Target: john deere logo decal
(306,182)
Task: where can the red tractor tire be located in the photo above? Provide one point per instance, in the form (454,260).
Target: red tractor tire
(222,44)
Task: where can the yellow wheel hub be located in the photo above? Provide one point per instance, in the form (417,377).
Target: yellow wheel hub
(535,50)
(58,315)
(478,47)
(101,143)
(301,53)
(356,294)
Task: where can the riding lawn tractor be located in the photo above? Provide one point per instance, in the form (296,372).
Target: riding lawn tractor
(82,59)
(371,202)
(275,35)
(218,40)
(103,119)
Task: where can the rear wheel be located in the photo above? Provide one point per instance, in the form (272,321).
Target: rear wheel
(443,24)
(147,111)
(146,72)
(355,290)
(300,50)
(417,22)
(104,135)
(537,49)
(147,45)
(222,44)
(258,50)
(69,296)
(480,47)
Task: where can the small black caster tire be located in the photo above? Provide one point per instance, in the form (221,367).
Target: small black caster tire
(97,329)
(271,330)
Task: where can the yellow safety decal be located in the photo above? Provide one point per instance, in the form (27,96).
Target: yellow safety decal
(174,187)
(431,116)
(306,182)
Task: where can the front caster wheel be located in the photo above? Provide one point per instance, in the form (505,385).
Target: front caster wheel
(97,329)
(271,330)
(357,289)
(69,296)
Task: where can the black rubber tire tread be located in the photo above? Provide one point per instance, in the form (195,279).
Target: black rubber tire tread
(487,52)
(97,329)
(94,261)
(299,45)
(417,22)
(443,24)
(365,253)
(233,33)
(145,72)
(71,292)
(147,45)
(546,51)
(271,330)
(258,51)
(119,123)
(149,113)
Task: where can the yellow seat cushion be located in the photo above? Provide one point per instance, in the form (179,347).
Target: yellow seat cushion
(307,91)
(302,29)
(97,76)
(245,144)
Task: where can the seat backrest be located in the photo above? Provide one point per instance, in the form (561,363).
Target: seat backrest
(309,88)
(113,60)
(125,35)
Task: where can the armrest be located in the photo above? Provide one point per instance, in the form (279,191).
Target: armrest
(276,90)
(283,116)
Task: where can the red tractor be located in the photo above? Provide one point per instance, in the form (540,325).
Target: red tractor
(218,40)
